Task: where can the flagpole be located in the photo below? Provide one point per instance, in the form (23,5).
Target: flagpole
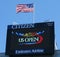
(33,12)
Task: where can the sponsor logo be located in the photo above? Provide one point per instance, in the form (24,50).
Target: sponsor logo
(21,26)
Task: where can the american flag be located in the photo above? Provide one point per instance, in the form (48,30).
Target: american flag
(24,8)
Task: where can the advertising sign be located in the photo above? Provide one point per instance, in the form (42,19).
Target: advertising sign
(37,38)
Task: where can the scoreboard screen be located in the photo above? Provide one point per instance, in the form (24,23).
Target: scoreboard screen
(35,38)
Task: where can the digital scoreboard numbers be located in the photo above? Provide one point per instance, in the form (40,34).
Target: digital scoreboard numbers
(24,39)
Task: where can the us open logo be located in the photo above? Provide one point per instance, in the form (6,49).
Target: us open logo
(31,38)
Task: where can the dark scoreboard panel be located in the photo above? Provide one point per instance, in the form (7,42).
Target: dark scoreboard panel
(29,39)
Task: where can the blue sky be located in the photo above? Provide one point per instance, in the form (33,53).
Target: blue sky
(44,10)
